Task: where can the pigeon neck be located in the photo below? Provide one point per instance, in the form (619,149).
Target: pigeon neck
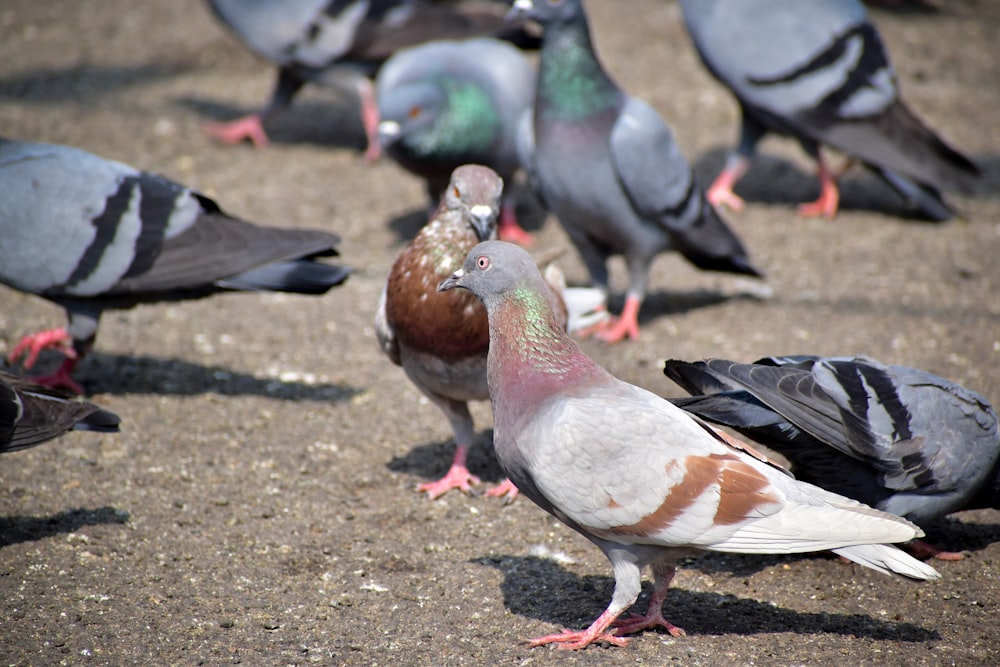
(572,84)
(531,356)
(469,122)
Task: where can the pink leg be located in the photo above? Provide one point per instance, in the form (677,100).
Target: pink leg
(369,119)
(577,639)
(249,127)
(654,615)
(510,230)
(35,343)
(721,191)
(829,196)
(457,477)
(624,326)
(504,489)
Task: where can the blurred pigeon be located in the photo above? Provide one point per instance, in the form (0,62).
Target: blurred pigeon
(607,166)
(448,103)
(899,439)
(819,72)
(343,43)
(441,340)
(89,234)
(30,414)
(642,479)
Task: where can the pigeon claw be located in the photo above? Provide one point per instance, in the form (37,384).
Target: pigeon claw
(574,640)
(457,477)
(33,344)
(61,379)
(652,619)
(509,230)
(248,127)
(721,191)
(828,202)
(505,490)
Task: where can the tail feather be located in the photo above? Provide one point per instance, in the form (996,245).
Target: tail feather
(888,559)
(299,276)
(923,199)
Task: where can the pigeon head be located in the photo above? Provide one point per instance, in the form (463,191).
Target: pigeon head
(406,110)
(546,11)
(493,269)
(474,193)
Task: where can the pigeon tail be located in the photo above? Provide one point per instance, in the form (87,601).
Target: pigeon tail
(299,277)
(888,560)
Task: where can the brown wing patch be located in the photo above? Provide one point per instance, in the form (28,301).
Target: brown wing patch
(741,493)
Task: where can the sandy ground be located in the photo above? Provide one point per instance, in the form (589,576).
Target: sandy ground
(259,506)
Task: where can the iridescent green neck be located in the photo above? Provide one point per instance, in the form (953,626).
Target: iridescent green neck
(468,123)
(572,84)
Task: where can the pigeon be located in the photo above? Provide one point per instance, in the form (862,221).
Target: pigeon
(31,414)
(642,479)
(448,103)
(819,72)
(607,166)
(342,43)
(900,439)
(89,234)
(441,340)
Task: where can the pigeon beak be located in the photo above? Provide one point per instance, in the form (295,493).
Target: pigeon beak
(519,9)
(452,281)
(483,221)
(388,132)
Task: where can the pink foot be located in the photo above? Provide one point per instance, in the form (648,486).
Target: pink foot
(577,639)
(35,343)
(457,477)
(249,127)
(505,490)
(924,551)
(652,619)
(616,329)
(829,196)
(512,232)
(61,379)
(720,193)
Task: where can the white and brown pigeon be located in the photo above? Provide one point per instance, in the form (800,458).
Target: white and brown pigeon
(342,43)
(92,234)
(447,103)
(441,340)
(642,479)
(607,166)
(900,439)
(818,71)
(31,414)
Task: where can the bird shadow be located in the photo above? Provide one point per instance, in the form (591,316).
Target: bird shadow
(83,82)
(119,374)
(773,180)
(574,601)
(430,461)
(304,122)
(17,529)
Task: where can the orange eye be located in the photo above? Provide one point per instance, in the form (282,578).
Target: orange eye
(455,193)
(414,112)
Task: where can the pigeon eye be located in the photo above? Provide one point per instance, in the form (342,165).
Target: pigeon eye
(483,262)
(414,112)
(456,193)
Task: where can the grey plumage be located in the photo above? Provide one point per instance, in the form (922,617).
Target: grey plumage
(31,414)
(640,478)
(90,234)
(899,439)
(607,166)
(448,103)
(819,71)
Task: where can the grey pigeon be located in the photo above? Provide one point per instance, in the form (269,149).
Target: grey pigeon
(343,43)
(449,103)
(90,234)
(642,479)
(607,166)
(819,72)
(30,414)
(441,340)
(900,439)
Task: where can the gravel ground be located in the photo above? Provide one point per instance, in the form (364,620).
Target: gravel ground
(259,506)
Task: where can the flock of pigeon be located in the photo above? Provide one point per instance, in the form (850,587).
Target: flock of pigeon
(877,450)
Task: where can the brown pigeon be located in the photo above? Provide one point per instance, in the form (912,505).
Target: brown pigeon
(642,479)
